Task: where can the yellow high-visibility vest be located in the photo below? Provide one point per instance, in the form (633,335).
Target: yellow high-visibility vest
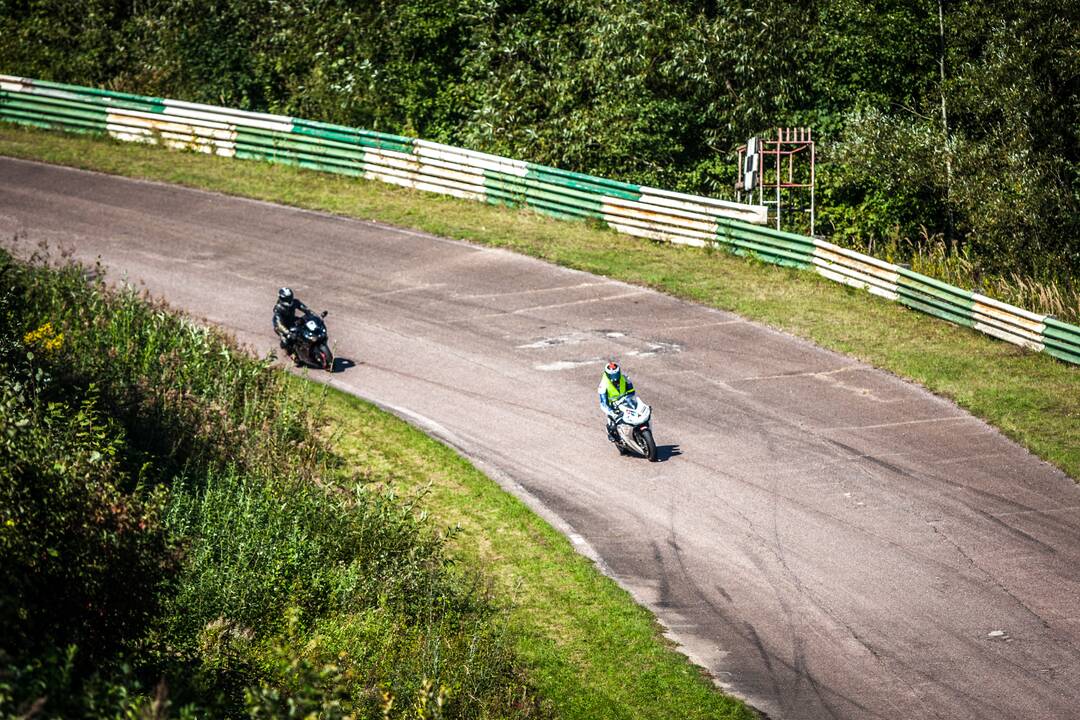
(615,393)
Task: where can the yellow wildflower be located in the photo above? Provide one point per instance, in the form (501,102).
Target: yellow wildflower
(44,338)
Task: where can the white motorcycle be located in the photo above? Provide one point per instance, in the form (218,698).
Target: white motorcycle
(632,417)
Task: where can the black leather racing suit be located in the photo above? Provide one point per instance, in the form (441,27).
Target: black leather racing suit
(285,320)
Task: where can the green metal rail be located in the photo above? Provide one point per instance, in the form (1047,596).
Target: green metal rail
(632,209)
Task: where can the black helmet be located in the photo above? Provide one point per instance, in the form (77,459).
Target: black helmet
(285,294)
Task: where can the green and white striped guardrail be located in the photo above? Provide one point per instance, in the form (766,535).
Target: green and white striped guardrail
(631,209)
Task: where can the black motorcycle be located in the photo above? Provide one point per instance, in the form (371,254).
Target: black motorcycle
(309,346)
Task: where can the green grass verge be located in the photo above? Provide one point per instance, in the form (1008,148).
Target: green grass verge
(590,650)
(1033,398)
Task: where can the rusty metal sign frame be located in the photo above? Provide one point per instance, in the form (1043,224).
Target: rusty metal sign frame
(781,171)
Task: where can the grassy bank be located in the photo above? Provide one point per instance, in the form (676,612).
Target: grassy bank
(1032,398)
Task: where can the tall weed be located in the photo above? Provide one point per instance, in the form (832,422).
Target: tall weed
(929,254)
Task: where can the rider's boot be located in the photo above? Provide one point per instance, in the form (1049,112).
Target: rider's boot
(612,436)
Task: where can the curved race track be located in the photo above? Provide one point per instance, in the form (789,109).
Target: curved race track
(827,540)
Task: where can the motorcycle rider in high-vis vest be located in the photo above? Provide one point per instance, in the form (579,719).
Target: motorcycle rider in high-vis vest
(614,386)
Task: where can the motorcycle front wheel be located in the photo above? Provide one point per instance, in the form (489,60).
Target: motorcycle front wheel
(646,442)
(325,357)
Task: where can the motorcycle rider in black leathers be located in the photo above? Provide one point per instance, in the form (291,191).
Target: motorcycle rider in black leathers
(285,317)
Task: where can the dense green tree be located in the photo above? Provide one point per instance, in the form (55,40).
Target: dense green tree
(938,121)
(981,151)
(66,41)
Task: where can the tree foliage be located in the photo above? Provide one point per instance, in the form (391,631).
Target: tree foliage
(950,120)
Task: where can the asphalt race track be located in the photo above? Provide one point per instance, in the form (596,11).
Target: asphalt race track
(827,540)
